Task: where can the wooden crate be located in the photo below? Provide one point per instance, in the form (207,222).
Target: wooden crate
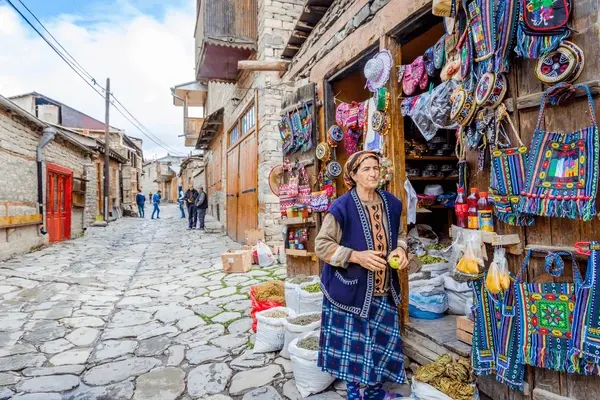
(464,329)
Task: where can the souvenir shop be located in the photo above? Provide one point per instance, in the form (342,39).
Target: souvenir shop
(484,114)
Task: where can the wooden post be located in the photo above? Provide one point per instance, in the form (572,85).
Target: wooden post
(257,65)
(394,150)
(107,151)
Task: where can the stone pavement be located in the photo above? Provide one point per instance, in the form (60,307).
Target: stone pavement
(139,310)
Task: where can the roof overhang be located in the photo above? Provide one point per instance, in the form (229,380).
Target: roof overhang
(211,126)
(314,10)
(194,92)
(220,62)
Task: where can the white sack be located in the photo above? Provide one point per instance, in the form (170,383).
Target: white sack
(270,332)
(424,391)
(309,377)
(309,302)
(292,294)
(293,331)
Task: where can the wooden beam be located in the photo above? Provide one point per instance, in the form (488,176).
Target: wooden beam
(533,100)
(255,65)
(304,26)
(20,220)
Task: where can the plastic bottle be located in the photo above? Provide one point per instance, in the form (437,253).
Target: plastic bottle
(473,220)
(485,212)
(461,209)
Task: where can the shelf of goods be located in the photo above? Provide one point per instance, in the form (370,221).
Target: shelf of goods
(512,242)
(297,221)
(300,253)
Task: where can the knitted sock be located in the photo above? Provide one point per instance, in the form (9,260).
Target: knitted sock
(353,391)
(374,392)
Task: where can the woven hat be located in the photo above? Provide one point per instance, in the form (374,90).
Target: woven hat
(377,70)
(275,179)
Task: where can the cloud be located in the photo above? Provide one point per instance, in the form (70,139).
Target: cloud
(143,55)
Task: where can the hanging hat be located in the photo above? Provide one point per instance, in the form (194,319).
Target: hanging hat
(377,70)
(275,179)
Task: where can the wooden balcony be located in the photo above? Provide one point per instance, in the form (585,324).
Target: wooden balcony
(192,130)
(226,32)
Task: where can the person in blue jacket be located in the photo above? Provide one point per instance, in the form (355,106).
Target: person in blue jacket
(156,202)
(140,200)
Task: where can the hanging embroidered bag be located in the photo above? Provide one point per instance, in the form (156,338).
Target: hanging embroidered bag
(585,348)
(439,53)
(413,75)
(287,136)
(483,355)
(542,26)
(507,178)
(546,314)
(562,171)
(319,201)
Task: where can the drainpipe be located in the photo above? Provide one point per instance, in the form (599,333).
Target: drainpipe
(49,135)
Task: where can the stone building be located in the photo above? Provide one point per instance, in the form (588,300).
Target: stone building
(193,172)
(238,63)
(34,213)
(126,174)
(162,174)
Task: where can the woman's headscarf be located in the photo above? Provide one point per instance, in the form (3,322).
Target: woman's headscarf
(354,162)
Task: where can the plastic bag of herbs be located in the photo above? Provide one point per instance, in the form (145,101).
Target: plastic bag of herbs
(311,298)
(434,264)
(292,290)
(270,331)
(304,351)
(296,326)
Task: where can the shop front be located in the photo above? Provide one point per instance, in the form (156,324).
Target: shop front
(452,105)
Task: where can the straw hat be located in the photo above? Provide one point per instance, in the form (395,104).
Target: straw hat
(275,179)
(377,70)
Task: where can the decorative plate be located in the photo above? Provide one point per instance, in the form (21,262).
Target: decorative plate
(491,90)
(336,134)
(334,169)
(463,106)
(378,121)
(580,59)
(323,152)
(556,66)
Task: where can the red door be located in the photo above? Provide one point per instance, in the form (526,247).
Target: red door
(59,184)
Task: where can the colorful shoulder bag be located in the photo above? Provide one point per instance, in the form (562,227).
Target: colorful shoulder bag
(546,314)
(542,26)
(562,171)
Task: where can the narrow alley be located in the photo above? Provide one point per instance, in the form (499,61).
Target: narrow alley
(137,310)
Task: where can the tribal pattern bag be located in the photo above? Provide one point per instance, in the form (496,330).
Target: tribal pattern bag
(562,172)
(287,136)
(483,354)
(542,26)
(546,314)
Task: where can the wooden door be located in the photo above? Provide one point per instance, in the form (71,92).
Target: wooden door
(248,200)
(59,184)
(233,158)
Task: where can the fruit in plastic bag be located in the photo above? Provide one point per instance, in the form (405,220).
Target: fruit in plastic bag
(467,265)
(500,259)
(492,279)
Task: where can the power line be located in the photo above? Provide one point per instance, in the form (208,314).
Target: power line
(94,83)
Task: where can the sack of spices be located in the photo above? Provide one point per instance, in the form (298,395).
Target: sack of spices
(304,351)
(296,326)
(270,332)
(264,297)
(292,290)
(311,298)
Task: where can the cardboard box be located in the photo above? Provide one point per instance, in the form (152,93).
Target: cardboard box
(238,261)
(253,236)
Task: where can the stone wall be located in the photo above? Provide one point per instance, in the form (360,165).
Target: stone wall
(336,10)
(149,178)
(18,181)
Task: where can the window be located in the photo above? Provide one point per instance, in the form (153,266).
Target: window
(243,126)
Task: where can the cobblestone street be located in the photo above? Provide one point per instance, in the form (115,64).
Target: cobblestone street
(138,310)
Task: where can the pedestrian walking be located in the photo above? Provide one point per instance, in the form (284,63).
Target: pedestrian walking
(156,203)
(140,200)
(190,200)
(201,206)
(180,201)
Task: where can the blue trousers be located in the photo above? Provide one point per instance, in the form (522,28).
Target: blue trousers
(181,209)
(156,211)
(141,210)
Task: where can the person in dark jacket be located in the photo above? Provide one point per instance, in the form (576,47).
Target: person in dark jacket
(190,200)
(360,329)
(201,206)
(140,200)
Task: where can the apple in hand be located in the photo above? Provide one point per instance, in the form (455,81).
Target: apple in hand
(394,262)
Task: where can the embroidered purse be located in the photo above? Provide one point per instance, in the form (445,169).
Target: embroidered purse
(564,64)
(287,136)
(491,90)
(319,201)
(439,53)
(463,106)
(542,26)
(547,314)
(428,61)
(562,171)
(413,75)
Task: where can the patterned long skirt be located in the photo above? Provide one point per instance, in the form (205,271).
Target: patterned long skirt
(366,351)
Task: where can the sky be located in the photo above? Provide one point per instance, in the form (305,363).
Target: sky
(144,46)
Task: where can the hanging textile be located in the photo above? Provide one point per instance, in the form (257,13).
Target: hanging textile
(585,350)
(562,171)
(546,313)
(542,26)
(507,16)
(482,14)
(507,178)
(287,136)
(307,129)
(373,140)
(483,354)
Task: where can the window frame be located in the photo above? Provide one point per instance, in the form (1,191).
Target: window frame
(238,125)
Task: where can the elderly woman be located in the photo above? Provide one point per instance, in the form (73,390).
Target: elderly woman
(360,333)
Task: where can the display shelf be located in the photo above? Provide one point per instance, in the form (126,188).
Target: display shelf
(512,242)
(434,178)
(569,249)
(299,253)
(297,221)
(432,158)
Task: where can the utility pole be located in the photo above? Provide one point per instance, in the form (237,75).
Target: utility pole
(107,151)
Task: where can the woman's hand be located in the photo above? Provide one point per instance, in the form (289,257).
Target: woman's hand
(402,257)
(371,260)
